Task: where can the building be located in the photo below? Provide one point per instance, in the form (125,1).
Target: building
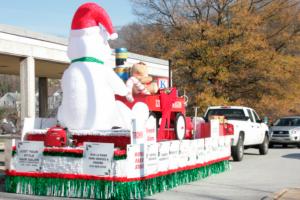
(10,100)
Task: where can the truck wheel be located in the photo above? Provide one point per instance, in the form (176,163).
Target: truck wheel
(180,126)
(264,147)
(237,151)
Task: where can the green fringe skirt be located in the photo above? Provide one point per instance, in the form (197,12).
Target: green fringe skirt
(100,189)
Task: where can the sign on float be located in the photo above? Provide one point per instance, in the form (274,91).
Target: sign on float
(97,158)
(29,157)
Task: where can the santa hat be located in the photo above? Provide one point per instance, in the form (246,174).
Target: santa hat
(91,15)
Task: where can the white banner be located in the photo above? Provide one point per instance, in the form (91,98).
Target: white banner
(227,147)
(97,158)
(138,133)
(208,149)
(200,152)
(163,156)
(215,143)
(228,140)
(151,158)
(62,164)
(184,153)
(151,130)
(214,128)
(135,160)
(222,140)
(174,154)
(192,152)
(29,156)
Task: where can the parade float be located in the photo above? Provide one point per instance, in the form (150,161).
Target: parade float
(113,140)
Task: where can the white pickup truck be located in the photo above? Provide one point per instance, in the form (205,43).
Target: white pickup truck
(249,130)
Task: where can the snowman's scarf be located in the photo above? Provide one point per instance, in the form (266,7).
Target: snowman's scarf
(88,59)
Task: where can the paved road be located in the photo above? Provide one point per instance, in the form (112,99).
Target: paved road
(256,177)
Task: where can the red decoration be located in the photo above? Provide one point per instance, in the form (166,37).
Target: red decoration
(119,141)
(189,128)
(63,150)
(152,101)
(35,137)
(56,137)
(205,130)
(165,104)
(117,152)
(225,129)
(167,98)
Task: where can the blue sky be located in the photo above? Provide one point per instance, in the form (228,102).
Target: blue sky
(55,16)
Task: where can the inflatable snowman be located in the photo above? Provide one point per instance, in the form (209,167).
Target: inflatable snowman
(89,84)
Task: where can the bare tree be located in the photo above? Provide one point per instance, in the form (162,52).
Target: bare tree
(176,12)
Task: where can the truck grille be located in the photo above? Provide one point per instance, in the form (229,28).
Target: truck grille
(280,132)
(280,135)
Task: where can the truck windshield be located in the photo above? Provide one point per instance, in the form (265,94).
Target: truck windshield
(237,114)
(288,122)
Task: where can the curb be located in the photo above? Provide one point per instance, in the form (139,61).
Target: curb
(287,194)
(280,194)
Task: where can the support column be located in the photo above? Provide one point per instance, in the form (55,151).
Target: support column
(27,88)
(43,97)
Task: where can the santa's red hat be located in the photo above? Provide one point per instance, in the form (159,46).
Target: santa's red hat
(91,15)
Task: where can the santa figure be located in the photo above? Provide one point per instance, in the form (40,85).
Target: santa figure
(89,84)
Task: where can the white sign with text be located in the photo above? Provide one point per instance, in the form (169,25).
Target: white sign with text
(200,153)
(184,153)
(208,149)
(174,154)
(138,135)
(135,160)
(214,128)
(29,156)
(97,158)
(163,156)
(151,158)
(192,153)
(151,129)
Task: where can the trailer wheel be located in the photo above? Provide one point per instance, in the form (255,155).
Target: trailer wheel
(180,126)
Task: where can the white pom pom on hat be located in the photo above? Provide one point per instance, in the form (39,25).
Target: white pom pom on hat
(91,15)
(113,36)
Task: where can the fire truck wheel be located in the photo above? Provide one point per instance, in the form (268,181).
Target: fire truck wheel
(180,126)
